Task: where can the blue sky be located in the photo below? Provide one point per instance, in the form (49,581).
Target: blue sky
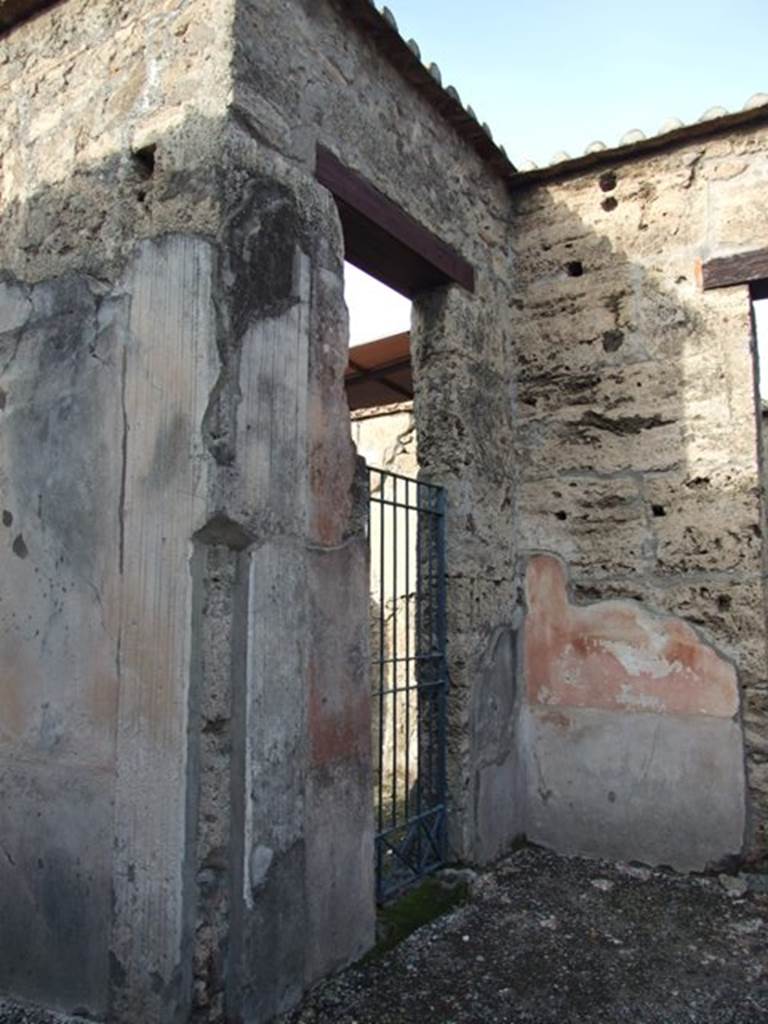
(550,75)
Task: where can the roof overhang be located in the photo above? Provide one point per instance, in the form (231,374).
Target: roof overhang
(379,373)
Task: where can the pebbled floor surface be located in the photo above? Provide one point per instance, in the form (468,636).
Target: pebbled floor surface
(551,940)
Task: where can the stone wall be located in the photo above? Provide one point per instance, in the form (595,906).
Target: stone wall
(637,464)
(180,499)
(638,434)
(460,347)
(108,354)
(344,93)
(185,647)
(184,630)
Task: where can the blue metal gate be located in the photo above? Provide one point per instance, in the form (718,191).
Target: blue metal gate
(410,679)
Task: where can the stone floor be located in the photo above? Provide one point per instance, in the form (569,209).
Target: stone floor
(544,939)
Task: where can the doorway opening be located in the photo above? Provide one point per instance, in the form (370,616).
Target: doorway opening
(392,259)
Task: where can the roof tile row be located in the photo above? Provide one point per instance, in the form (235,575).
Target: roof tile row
(635,135)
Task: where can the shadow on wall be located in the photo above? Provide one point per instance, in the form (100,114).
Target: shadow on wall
(637,455)
(143,387)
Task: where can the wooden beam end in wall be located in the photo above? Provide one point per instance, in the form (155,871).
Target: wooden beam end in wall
(725,271)
(698,272)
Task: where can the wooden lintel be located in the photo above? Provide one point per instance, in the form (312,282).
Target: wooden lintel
(385,241)
(743,268)
(14,11)
(377,372)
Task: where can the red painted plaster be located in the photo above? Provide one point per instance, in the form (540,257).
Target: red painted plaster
(339,729)
(617,655)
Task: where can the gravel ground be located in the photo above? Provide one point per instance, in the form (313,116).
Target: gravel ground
(550,940)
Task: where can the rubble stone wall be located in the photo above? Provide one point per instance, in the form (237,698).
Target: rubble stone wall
(342,92)
(638,438)
(182,499)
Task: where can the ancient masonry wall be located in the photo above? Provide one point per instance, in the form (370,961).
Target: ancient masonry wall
(108,354)
(638,437)
(184,758)
(638,465)
(180,504)
(184,635)
(344,94)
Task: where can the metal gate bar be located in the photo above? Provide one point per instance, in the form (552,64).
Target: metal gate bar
(408,620)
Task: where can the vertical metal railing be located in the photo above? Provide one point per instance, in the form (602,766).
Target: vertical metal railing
(410,680)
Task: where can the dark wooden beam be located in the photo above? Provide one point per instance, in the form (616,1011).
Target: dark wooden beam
(759,290)
(381,373)
(14,11)
(385,241)
(742,268)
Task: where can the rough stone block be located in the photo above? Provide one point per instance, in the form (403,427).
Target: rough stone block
(705,523)
(600,527)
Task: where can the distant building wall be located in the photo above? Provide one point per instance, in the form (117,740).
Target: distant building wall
(386,438)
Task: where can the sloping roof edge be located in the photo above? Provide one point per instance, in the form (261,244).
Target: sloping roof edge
(634,144)
(381,27)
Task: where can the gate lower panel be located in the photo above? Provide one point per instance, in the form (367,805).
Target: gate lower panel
(409,677)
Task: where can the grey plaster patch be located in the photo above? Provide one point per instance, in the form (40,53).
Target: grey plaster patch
(496,761)
(54,893)
(15,305)
(660,789)
(260,862)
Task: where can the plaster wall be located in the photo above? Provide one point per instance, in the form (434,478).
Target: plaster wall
(185,644)
(343,93)
(176,473)
(638,436)
(103,487)
(631,740)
